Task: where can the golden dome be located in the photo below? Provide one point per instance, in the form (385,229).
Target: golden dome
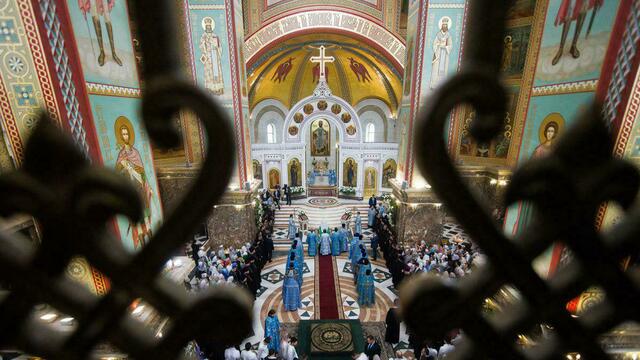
(359,72)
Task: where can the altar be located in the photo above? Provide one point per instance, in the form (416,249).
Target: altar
(322,183)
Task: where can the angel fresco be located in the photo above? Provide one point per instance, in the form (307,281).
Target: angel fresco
(282,71)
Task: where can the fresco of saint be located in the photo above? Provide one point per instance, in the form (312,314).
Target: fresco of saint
(211,58)
(550,129)
(129,163)
(320,139)
(442,45)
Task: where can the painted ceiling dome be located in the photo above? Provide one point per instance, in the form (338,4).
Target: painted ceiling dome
(359,72)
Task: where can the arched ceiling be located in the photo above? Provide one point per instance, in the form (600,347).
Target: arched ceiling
(269,78)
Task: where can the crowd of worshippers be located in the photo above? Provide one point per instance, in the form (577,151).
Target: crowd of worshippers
(452,258)
(234,266)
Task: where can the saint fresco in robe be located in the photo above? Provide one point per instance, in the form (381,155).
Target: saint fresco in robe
(274,178)
(295,173)
(211,58)
(320,144)
(550,129)
(388,172)
(350,173)
(442,45)
(129,164)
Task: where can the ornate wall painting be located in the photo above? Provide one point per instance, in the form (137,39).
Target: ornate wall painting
(26,85)
(211,52)
(257,170)
(516,44)
(126,148)
(389,170)
(442,44)
(295,172)
(559,60)
(103,39)
(521,9)
(282,71)
(350,173)
(370,181)
(498,148)
(408,77)
(320,138)
(544,109)
(274,178)
(614,214)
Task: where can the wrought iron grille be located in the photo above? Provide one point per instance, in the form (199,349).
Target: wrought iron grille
(73,201)
(566,187)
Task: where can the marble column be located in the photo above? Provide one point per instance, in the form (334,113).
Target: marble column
(231,221)
(419,215)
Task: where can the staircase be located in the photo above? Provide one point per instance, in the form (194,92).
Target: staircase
(330,215)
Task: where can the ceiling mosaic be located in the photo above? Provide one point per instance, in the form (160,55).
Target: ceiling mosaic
(360,72)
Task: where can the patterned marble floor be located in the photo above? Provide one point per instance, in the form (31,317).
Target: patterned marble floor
(270,295)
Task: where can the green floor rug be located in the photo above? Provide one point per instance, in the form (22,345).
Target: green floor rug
(329,339)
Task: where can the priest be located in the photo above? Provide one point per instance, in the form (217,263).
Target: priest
(325,243)
(366,290)
(272,329)
(292,227)
(335,243)
(291,290)
(312,242)
(344,239)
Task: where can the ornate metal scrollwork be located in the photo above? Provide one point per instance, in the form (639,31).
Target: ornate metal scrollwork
(567,187)
(73,200)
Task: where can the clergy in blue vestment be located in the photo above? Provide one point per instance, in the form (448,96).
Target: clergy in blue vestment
(371,216)
(292,227)
(335,242)
(312,243)
(353,246)
(358,224)
(291,290)
(344,238)
(366,290)
(272,329)
(363,266)
(297,244)
(361,253)
(325,243)
(297,262)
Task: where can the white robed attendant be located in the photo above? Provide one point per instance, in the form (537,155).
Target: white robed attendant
(292,228)
(325,243)
(358,224)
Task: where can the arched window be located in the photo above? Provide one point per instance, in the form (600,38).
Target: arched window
(370,134)
(271,134)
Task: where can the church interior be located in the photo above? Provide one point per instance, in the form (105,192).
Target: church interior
(300,186)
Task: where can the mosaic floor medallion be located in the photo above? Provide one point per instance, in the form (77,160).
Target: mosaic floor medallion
(331,338)
(323,202)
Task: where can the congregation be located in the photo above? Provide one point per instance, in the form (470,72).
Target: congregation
(240,267)
(453,258)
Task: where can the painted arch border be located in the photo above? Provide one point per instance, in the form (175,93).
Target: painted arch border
(263,43)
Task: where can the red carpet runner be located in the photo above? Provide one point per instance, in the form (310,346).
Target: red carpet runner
(327,285)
